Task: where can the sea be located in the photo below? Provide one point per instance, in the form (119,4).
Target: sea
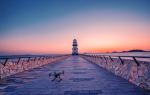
(141,54)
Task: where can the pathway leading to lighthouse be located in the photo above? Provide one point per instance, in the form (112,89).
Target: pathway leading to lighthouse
(81,78)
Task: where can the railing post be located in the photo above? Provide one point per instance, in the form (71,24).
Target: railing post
(5,62)
(138,64)
(35,59)
(28,59)
(110,58)
(18,60)
(105,59)
(121,60)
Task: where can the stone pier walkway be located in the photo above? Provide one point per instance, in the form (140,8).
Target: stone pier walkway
(80,78)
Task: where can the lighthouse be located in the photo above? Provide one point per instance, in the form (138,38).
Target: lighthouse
(74,47)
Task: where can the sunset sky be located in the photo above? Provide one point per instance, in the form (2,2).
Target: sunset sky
(49,26)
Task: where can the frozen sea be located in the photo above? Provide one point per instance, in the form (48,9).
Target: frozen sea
(141,54)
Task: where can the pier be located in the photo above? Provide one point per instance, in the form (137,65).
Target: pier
(81,77)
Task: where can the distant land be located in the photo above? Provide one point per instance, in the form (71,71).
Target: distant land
(25,55)
(134,50)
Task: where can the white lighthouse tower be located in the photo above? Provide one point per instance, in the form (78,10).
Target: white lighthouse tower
(75,47)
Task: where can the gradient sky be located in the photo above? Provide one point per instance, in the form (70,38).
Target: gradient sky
(49,26)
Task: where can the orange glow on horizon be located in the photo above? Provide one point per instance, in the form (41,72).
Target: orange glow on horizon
(93,35)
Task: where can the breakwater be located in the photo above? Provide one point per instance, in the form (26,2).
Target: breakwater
(127,67)
(16,64)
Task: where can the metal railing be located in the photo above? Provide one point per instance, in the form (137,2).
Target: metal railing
(5,59)
(121,58)
(14,64)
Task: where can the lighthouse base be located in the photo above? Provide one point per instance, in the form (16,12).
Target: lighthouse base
(74,54)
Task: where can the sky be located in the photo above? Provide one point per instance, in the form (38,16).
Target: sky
(49,26)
